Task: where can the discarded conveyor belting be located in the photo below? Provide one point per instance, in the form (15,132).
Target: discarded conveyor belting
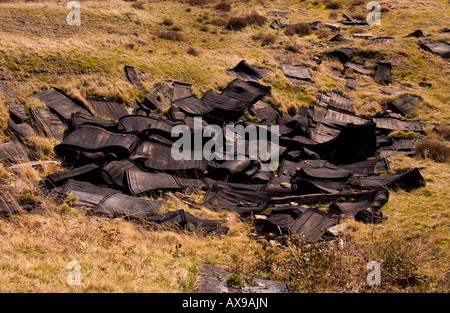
(327,155)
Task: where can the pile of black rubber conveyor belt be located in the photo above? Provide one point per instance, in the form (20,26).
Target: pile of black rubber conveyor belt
(327,155)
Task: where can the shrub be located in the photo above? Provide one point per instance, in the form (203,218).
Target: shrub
(176,28)
(197,2)
(443,131)
(331,5)
(139,5)
(193,51)
(167,21)
(254,18)
(171,35)
(301,29)
(323,33)
(223,6)
(266,39)
(236,23)
(433,149)
(219,21)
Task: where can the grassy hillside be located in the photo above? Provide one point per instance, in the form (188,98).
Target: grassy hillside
(188,41)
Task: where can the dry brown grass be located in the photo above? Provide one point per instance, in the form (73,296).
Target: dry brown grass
(171,35)
(300,29)
(433,149)
(236,23)
(265,39)
(223,6)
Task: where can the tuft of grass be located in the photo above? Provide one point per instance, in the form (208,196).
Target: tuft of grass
(167,21)
(266,39)
(403,134)
(236,23)
(198,2)
(176,28)
(332,5)
(234,281)
(192,51)
(433,149)
(223,6)
(300,29)
(171,35)
(139,5)
(255,18)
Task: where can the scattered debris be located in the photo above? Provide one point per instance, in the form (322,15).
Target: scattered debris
(405,105)
(439,48)
(213,279)
(245,71)
(296,71)
(132,76)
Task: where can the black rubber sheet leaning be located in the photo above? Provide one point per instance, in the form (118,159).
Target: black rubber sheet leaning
(266,113)
(110,202)
(311,224)
(407,181)
(277,24)
(181,220)
(81,118)
(181,90)
(59,178)
(392,124)
(439,48)
(14,152)
(241,198)
(135,208)
(417,33)
(246,92)
(160,97)
(357,67)
(7,209)
(350,82)
(156,156)
(405,105)
(141,183)
(23,130)
(60,104)
(107,108)
(383,73)
(132,75)
(337,101)
(245,71)
(48,122)
(344,55)
(366,210)
(191,105)
(339,38)
(92,138)
(17,112)
(348,20)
